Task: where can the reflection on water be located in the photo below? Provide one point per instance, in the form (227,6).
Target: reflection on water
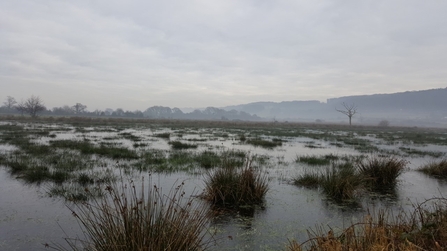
(29,218)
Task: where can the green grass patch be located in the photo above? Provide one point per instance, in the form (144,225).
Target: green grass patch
(308,179)
(178,145)
(165,135)
(208,159)
(315,160)
(413,151)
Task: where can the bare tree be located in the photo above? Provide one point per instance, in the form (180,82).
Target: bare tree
(34,105)
(79,108)
(349,110)
(10,102)
(21,107)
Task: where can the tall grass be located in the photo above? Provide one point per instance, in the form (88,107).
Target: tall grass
(381,173)
(424,229)
(127,218)
(436,169)
(235,186)
(341,182)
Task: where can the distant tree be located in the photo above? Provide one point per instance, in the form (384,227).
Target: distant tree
(384,123)
(64,110)
(10,102)
(20,107)
(79,108)
(33,105)
(350,110)
(119,112)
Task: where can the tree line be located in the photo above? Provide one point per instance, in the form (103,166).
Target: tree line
(34,106)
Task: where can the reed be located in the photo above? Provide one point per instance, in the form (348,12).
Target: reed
(127,218)
(381,173)
(423,229)
(233,186)
(437,169)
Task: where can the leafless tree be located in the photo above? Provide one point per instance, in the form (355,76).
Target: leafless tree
(10,102)
(34,105)
(79,108)
(350,110)
(384,123)
(21,107)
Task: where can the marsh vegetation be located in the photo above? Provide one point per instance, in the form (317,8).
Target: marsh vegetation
(254,186)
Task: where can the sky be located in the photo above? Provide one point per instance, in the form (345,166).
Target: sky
(136,54)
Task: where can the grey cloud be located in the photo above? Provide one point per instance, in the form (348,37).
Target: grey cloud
(137,54)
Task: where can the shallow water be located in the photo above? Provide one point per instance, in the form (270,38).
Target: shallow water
(29,218)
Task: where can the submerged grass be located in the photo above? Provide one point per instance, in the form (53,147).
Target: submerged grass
(178,145)
(264,143)
(86,147)
(315,160)
(308,179)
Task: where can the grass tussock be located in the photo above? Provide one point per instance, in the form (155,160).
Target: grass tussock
(341,182)
(436,169)
(381,173)
(236,186)
(127,218)
(424,229)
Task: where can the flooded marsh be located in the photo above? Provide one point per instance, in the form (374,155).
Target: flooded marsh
(45,166)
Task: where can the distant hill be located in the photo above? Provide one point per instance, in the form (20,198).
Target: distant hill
(210,113)
(426,107)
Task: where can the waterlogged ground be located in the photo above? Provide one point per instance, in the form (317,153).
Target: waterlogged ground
(42,164)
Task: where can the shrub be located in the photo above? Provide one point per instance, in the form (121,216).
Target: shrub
(127,219)
(384,123)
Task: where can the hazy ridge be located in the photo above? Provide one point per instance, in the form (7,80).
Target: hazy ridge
(425,107)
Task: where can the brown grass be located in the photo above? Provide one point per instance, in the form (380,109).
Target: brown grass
(127,219)
(424,229)
(235,186)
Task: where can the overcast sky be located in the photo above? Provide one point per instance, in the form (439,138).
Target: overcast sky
(136,54)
